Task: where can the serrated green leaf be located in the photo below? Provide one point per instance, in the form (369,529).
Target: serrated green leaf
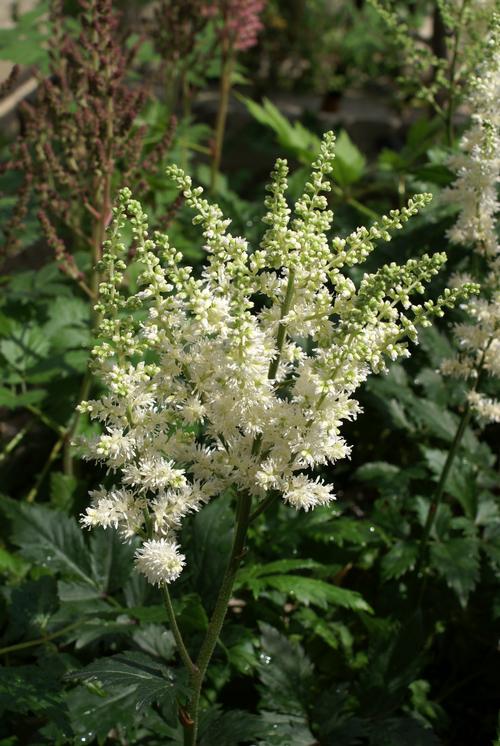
(313,591)
(399,559)
(33,690)
(457,561)
(272,568)
(285,672)
(49,538)
(25,347)
(111,560)
(13,401)
(155,640)
(230,728)
(152,680)
(32,604)
(94,715)
(438,421)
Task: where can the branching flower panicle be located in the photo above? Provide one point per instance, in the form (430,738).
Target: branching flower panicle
(475,189)
(240,379)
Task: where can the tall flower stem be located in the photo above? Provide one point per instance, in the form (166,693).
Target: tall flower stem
(220,125)
(438,496)
(98,236)
(450,109)
(179,641)
(191,718)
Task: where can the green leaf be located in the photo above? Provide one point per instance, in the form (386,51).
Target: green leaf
(295,138)
(155,613)
(342,530)
(68,323)
(49,538)
(26,346)
(62,490)
(13,401)
(230,728)
(312,591)
(349,164)
(245,574)
(461,481)
(12,565)
(33,690)
(155,640)
(210,546)
(111,560)
(403,730)
(94,713)
(99,629)
(25,42)
(436,420)
(335,634)
(285,672)
(399,559)
(286,730)
(457,561)
(151,680)
(32,605)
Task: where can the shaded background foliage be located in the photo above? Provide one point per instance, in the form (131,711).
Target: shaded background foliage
(332,637)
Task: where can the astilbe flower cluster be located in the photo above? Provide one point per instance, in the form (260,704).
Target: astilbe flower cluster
(175,26)
(240,21)
(240,379)
(79,133)
(476,191)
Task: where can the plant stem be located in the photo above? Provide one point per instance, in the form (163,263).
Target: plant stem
(40,640)
(217,620)
(454,59)
(431,515)
(266,502)
(462,426)
(280,338)
(54,453)
(14,442)
(186,658)
(220,125)
(73,424)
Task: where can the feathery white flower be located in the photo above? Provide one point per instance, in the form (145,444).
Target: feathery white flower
(159,561)
(475,189)
(235,397)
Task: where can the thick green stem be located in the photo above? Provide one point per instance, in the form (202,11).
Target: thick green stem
(438,496)
(217,620)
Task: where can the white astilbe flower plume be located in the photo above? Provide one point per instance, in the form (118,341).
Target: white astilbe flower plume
(159,561)
(475,189)
(251,367)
